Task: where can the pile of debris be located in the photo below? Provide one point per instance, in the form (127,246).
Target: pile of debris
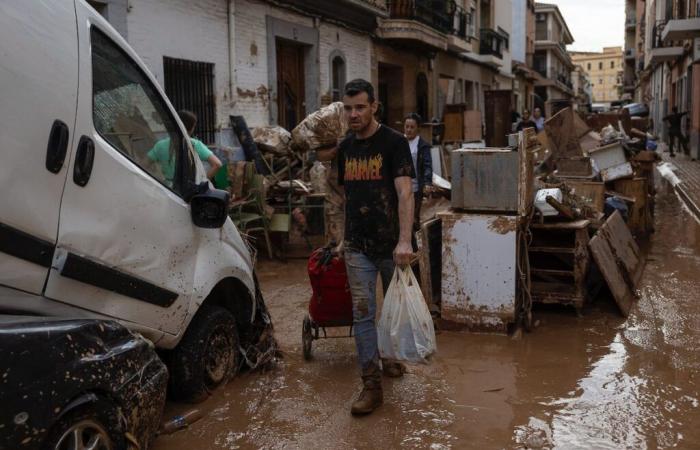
(594,191)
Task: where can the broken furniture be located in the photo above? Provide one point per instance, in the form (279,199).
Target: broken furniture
(479,276)
(482,236)
(618,258)
(250,214)
(559,261)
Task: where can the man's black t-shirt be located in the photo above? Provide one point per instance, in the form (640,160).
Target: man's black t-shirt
(367,169)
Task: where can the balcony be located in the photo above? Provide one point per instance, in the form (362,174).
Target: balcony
(425,23)
(491,43)
(357,13)
(630,54)
(681,29)
(630,22)
(461,32)
(663,52)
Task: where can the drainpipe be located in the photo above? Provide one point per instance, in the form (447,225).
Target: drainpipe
(231,47)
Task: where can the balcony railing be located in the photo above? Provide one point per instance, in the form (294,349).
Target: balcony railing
(630,21)
(437,14)
(491,43)
(462,23)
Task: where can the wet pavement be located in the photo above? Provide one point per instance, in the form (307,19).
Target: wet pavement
(597,381)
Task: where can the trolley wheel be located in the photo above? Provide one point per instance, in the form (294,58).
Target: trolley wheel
(307,337)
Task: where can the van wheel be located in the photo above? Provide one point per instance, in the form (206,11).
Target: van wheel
(207,357)
(93,425)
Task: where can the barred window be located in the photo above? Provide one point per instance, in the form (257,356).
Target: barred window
(190,85)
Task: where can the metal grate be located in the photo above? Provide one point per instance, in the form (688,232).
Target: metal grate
(190,85)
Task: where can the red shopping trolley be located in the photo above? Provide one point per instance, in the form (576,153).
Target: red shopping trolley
(331,302)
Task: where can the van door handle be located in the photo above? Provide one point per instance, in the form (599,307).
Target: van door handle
(83,161)
(57,147)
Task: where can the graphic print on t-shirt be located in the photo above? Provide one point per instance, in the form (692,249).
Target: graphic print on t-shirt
(363,169)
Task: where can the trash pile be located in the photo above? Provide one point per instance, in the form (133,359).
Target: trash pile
(594,192)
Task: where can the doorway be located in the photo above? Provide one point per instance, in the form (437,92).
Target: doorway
(291,106)
(390,95)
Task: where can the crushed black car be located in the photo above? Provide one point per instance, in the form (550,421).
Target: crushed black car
(77,383)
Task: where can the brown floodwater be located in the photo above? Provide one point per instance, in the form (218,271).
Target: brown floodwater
(593,382)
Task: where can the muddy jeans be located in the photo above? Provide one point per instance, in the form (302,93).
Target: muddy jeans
(362,278)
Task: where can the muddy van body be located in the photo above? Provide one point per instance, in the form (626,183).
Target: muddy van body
(94,223)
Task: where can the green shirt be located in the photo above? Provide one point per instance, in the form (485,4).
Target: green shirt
(161,153)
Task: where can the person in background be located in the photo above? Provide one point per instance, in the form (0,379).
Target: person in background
(162,154)
(375,169)
(675,133)
(422,163)
(538,118)
(527,122)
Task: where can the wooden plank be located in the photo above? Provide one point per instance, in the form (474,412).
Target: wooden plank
(617,256)
(561,134)
(562,225)
(472,126)
(526,184)
(453,117)
(590,191)
(636,189)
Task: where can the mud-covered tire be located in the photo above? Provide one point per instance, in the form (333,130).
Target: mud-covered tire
(307,337)
(96,420)
(207,357)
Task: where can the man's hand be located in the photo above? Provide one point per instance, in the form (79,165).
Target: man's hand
(403,253)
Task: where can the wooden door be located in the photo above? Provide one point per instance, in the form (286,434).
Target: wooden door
(498,107)
(290,84)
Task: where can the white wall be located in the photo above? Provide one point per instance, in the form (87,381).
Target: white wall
(504,19)
(198,31)
(519,34)
(184,29)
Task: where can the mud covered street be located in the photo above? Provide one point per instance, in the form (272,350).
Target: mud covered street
(598,381)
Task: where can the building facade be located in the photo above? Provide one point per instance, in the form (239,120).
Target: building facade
(275,61)
(667,74)
(605,71)
(523,51)
(551,59)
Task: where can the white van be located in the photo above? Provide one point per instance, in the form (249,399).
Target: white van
(90,226)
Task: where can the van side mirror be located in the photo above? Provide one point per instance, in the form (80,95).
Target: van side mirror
(210,208)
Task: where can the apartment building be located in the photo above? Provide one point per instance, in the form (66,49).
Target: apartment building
(583,90)
(605,70)
(667,74)
(275,61)
(551,61)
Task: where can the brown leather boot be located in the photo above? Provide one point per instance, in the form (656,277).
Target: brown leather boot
(393,369)
(371,396)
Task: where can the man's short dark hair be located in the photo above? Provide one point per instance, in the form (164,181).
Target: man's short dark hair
(413,116)
(189,119)
(358,86)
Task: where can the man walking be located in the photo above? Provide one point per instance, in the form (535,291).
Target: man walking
(675,134)
(375,168)
(422,164)
(538,119)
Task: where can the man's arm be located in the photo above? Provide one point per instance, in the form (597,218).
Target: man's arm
(215,164)
(404,250)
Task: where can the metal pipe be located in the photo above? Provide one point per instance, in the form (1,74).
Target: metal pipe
(231,47)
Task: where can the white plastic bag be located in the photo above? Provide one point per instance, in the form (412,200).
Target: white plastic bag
(405,330)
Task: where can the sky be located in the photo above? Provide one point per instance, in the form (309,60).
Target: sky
(594,23)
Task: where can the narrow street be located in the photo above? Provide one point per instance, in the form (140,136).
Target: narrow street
(593,382)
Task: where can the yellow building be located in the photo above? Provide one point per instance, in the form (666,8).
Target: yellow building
(605,72)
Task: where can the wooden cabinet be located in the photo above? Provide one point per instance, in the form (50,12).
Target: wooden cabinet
(559,261)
